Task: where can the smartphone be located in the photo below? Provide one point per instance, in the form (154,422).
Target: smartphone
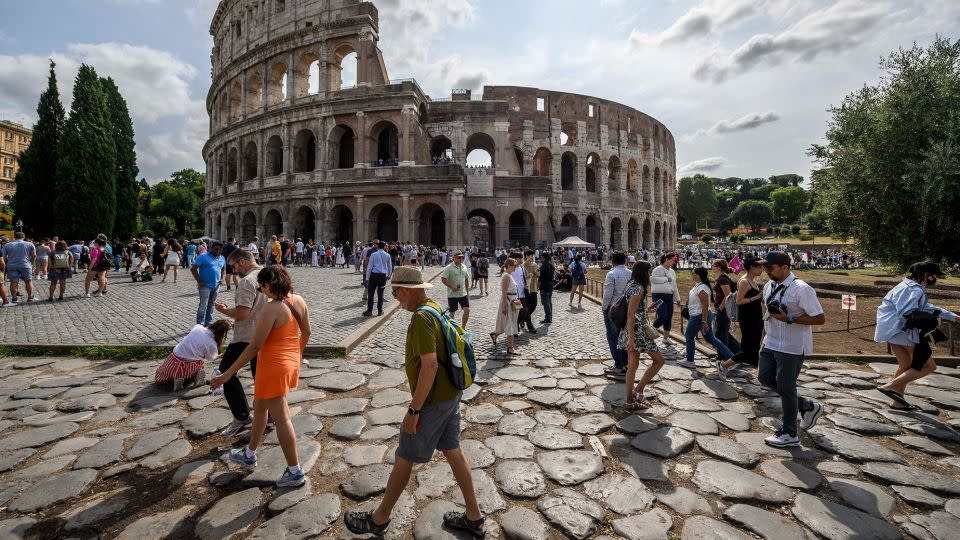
(657,303)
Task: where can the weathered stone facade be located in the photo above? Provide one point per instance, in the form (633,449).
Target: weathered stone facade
(299,154)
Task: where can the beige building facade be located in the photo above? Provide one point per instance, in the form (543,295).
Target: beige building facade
(292,150)
(14,139)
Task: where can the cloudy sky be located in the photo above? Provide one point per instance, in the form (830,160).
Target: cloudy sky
(744,85)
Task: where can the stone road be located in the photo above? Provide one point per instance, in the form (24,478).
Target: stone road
(161,313)
(90,449)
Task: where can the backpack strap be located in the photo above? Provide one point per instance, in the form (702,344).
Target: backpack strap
(444,328)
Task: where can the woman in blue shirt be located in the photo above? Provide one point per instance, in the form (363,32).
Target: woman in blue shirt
(914,359)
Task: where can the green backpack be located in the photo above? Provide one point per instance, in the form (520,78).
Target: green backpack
(462,365)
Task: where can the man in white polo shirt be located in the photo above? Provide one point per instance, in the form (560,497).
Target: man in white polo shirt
(792,311)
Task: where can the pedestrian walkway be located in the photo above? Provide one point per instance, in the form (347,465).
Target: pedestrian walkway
(90,448)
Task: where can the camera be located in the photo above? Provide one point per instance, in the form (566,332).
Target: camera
(775,307)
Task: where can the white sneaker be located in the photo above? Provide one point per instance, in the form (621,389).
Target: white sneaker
(782,439)
(8,304)
(810,417)
(687,364)
(87,295)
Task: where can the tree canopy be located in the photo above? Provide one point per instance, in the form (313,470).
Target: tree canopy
(174,206)
(891,165)
(126,171)
(789,203)
(752,213)
(696,198)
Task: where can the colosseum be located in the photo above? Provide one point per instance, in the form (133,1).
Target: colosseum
(296,148)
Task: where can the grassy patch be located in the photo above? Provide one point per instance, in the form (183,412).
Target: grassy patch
(97,352)
(30,350)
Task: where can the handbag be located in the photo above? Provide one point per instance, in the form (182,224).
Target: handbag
(516,306)
(651,332)
(685,312)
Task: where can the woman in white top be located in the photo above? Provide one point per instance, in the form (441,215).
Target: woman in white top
(664,289)
(701,318)
(171,259)
(186,361)
(507,314)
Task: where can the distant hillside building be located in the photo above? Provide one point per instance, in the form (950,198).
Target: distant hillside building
(14,138)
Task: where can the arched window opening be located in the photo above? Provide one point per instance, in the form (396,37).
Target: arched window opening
(616,227)
(274,158)
(341,223)
(645,185)
(592,232)
(441,151)
(388,144)
(633,180)
(521,229)
(431,225)
(569,226)
(657,193)
(633,232)
(343,72)
(277,84)
(593,164)
(307,75)
(518,153)
(231,226)
(386,222)
(250,161)
(647,235)
(232,174)
(254,92)
(341,147)
(568,137)
(484,229)
(305,151)
(481,150)
(236,94)
(613,174)
(248,227)
(568,171)
(657,236)
(542,162)
(304,223)
(272,223)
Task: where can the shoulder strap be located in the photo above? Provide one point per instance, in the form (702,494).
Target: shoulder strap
(293,312)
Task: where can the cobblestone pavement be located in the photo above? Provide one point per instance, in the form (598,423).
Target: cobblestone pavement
(161,313)
(90,449)
(576,333)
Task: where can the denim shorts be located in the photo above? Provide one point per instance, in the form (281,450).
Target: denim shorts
(438,429)
(18,273)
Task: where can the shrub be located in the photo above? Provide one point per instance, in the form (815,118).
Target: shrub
(706,238)
(795,229)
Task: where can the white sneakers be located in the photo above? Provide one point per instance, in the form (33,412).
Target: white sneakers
(782,439)
(810,417)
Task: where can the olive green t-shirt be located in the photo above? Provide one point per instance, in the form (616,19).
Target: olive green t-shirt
(424,336)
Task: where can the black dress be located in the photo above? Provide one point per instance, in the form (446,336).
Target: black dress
(750,317)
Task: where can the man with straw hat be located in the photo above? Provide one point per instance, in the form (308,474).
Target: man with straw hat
(432,421)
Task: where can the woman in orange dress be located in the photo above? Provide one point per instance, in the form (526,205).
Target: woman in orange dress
(282,332)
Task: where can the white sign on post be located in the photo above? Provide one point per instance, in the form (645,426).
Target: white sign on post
(848,302)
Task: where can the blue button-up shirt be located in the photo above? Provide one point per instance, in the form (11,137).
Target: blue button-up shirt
(380,263)
(903,299)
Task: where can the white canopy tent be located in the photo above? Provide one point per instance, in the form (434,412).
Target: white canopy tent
(573,242)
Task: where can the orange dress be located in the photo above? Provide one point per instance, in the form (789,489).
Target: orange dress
(278,362)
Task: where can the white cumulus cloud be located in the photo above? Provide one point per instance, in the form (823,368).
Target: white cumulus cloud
(702,165)
(745,122)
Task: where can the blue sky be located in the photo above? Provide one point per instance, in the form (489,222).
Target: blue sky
(744,85)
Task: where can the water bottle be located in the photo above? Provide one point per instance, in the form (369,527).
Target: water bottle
(218,391)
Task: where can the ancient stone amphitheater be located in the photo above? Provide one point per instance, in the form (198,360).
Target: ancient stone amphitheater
(294,149)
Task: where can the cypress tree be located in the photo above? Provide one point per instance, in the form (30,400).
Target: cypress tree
(33,201)
(86,196)
(128,189)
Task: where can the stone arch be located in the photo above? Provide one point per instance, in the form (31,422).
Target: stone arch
(341,224)
(569,226)
(633,233)
(218,225)
(336,68)
(254,92)
(592,229)
(431,223)
(568,136)
(592,172)
(568,171)
(232,173)
(231,225)
(632,177)
(613,174)
(308,67)
(272,223)
(484,227)
(386,143)
(274,157)
(250,161)
(647,239)
(236,95)
(341,143)
(521,225)
(518,154)
(224,108)
(248,226)
(657,238)
(616,227)
(441,150)
(481,141)
(657,194)
(304,223)
(277,84)
(543,162)
(221,169)
(305,151)
(386,222)
(645,185)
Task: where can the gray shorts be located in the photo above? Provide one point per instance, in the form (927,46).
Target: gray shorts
(439,429)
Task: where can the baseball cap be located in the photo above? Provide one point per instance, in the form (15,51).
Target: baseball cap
(777,257)
(926,267)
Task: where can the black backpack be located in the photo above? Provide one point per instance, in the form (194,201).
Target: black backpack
(618,311)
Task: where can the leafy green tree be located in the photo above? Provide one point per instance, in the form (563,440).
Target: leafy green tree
(753,213)
(892,159)
(127,187)
(706,238)
(696,198)
(762,193)
(817,218)
(786,180)
(789,203)
(179,199)
(36,179)
(85,202)
(729,197)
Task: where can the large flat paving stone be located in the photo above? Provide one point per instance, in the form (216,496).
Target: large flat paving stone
(864,496)
(683,501)
(231,516)
(554,438)
(694,422)
(570,467)
(736,483)
(338,381)
(340,407)
(11,458)
(791,474)
(167,455)
(103,453)
(523,479)
(727,450)
(837,522)
(15,528)
(89,402)
(646,526)
(33,437)
(510,447)
(690,402)
(863,426)
(96,509)
(571,512)
(429,525)
(942,525)
(592,424)
(157,419)
(304,425)
(765,524)
(54,489)
(367,482)
(487,495)
(851,446)
(666,442)
(705,528)
(348,428)
(622,494)
(206,422)
(520,523)
(151,442)
(307,519)
(904,475)
(270,462)
(715,389)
